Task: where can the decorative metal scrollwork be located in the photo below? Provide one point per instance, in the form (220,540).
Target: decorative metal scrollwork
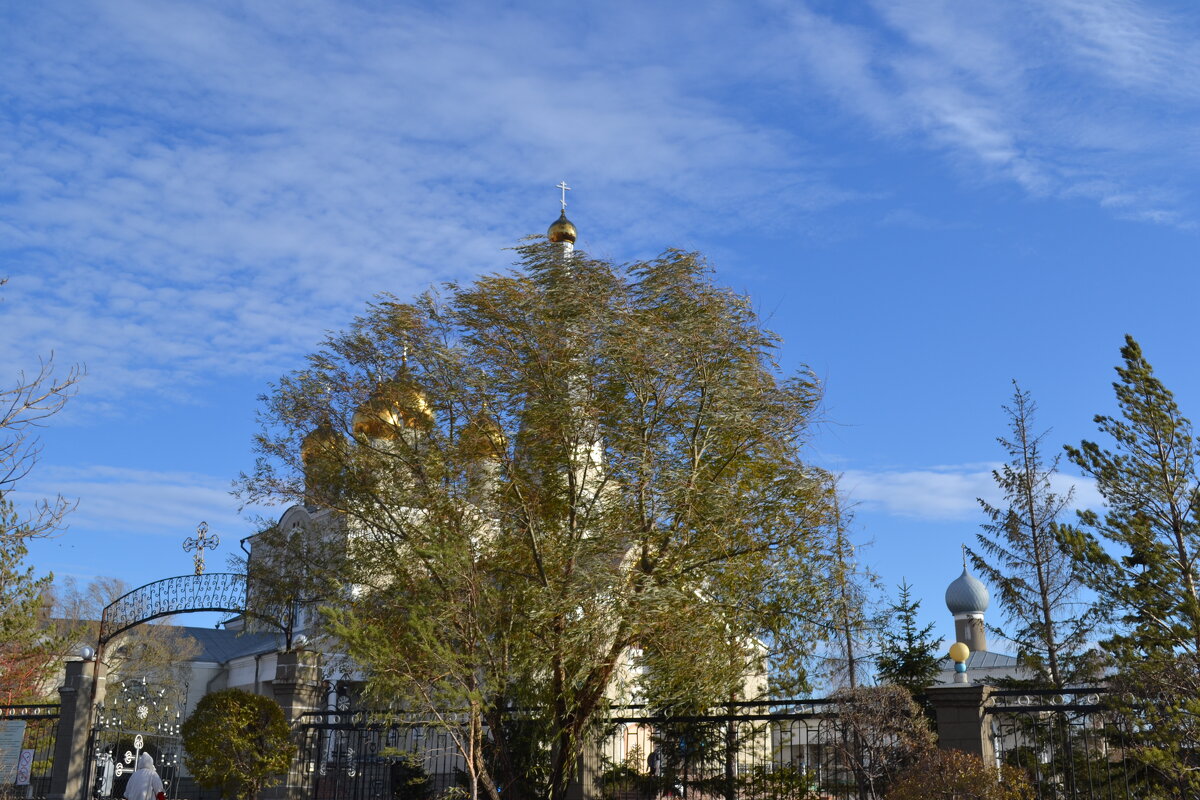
(213,591)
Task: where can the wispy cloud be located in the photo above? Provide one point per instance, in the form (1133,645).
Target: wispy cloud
(945,493)
(128,501)
(194,191)
(191,192)
(1066,98)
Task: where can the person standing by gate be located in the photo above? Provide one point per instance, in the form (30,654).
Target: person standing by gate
(144,783)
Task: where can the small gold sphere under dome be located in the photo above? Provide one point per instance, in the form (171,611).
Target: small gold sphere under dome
(562,230)
(393,406)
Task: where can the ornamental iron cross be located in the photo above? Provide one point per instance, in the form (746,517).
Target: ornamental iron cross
(198,543)
(563,185)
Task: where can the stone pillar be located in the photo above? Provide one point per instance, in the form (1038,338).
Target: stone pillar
(961,721)
(82,690)
(297,689)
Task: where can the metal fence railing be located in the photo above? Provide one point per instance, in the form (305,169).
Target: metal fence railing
(28,733)
(782,750)
(1068,741)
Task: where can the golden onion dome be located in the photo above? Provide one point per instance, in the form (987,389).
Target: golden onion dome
(483,437)
(562,230)
(321,442)
(394,406)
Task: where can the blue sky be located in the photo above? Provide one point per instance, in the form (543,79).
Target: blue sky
(926,199)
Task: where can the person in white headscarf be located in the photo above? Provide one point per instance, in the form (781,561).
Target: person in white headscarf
(144,783)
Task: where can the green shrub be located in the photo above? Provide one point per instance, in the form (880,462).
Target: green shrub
(237,742)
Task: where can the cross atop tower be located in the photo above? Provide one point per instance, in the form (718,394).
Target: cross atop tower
(563,185)
(198,543)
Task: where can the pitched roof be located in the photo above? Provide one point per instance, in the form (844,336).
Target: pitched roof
(984,659)
(220,645)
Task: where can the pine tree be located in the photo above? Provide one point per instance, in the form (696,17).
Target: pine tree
(1148,582)
(1140,558)
(908,654)
(1038,582)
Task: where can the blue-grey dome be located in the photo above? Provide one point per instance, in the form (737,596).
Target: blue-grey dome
(967,595)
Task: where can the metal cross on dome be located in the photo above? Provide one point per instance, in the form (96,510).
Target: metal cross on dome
(563,185)
(198,543)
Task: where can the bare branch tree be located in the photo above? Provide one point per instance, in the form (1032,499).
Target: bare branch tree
(24,407)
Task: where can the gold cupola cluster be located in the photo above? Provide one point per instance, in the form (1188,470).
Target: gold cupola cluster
(394,406)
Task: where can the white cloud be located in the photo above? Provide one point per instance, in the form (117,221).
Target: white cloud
(945,493)
(1050,96)
(194,190)
(129,501)
(190,192)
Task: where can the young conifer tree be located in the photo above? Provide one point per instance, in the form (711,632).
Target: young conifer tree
(552,478)
(1038,582)
(908,653)
(851,621)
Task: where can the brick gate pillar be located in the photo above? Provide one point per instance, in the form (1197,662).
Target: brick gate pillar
(297,689)
(81,691)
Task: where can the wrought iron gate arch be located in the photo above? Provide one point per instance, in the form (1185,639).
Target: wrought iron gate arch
(119,732)
(182,594)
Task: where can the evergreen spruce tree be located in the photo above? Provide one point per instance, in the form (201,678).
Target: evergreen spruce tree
(1038,581)
(908,654)
(1140,558)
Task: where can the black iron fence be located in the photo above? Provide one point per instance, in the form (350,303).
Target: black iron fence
(779,750)
(1068,741)
(362,755)
(27,737)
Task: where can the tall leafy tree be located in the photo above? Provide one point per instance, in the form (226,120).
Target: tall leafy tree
(908,653)
(553,476)
(28,648)
(1038,582)
(1140,558)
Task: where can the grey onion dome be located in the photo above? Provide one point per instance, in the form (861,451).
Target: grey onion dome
(967,595)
